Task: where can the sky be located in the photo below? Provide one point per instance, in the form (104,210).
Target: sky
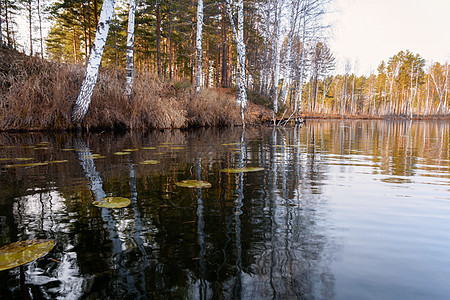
(369,31)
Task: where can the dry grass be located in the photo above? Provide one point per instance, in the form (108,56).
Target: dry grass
(39,95)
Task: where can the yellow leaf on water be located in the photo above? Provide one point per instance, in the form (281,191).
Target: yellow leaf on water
(19,253)
(242,170)
(122,153)
(112,202)
(193,184)
(149,162)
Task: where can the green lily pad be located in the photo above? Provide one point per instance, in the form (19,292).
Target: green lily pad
(122,153)
(149,162)
(27,165)
(112,202)
(149,148)
(19,253)
(242,170)
(198,184)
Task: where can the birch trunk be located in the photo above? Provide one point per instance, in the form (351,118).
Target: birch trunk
(266,51)
(198,45)
(287,73)
(276,74)
(302,69)
(90,78)
(239,39)
(1,36)
(40,28)
(130,47)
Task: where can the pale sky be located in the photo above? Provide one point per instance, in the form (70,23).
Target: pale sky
(370,31)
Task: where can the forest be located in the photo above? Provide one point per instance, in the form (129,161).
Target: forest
(201,60)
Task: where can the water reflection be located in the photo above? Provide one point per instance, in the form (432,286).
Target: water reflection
(263,235)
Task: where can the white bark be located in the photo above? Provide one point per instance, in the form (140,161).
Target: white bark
(266,51)
(287,73)
(130,47)
(198,76)
(1,36)
(276,74)
(90,78)
(239,39)
(302,68)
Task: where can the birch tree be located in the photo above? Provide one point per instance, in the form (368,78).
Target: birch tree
(239,39)
(198,76)
(130,47)
(90,78)
(276,74)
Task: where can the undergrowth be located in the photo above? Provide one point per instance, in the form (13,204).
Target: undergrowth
(38,95)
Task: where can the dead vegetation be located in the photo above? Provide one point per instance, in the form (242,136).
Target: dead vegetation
(38,95)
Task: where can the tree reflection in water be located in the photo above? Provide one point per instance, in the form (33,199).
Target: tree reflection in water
(261,235)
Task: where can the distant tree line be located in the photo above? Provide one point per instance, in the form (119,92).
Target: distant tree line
(274,49)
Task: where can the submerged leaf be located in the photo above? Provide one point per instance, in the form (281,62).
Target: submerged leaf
(149,162)
(112,202)
(19,253)
(194,184)
(242,170)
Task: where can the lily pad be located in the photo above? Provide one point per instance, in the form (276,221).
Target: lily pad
(198,184)
(94,156)
(149,162)
(122,153)
(19,253)
(27,165)
(242,170)
(57,161)
(112,202)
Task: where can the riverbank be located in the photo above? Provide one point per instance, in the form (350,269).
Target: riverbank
(38,95)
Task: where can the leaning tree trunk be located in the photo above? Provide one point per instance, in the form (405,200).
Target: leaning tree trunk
(130,46)
(198,45)
(90,78)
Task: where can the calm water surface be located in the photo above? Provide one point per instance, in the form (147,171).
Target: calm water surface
(342,210)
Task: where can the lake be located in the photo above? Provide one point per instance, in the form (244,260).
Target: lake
(333,210)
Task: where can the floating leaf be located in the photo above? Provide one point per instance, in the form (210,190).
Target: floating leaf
(57,161)
(130,150)
(5,159)
(121,153)
(94,156)
(112,202)
(67,149)
(193,184)
(160,153)
(149,148)
(27,165)
(19,253)
(24,158)
(177,148)
(242,170)
(231,144)
(41,148)
(149,162)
